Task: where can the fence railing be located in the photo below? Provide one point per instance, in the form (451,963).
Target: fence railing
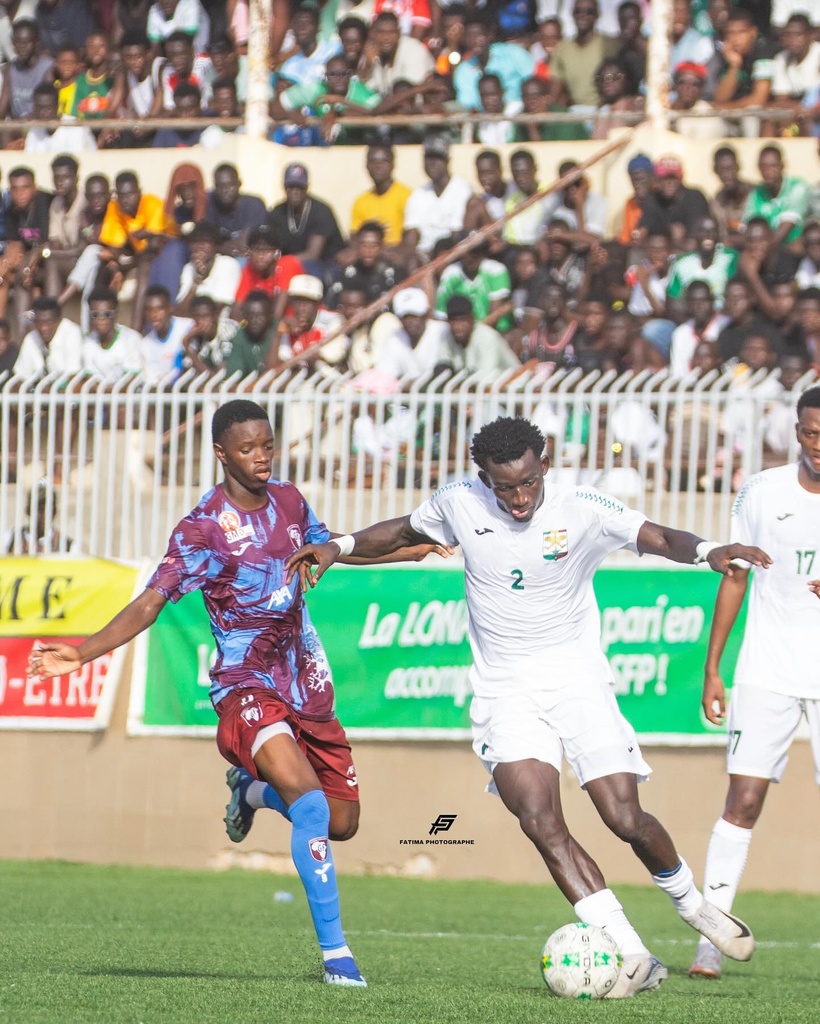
(109,469)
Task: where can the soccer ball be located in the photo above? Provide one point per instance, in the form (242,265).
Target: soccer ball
(580,961)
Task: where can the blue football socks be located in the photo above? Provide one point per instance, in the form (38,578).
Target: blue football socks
(312,856)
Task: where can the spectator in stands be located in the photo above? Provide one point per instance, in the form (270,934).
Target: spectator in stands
(782,200)
(758,352)
(374,272)
(633,40)
(483,349)
(535,95)
(187,104)
(185,207)
(489,204)
(706,358)
(141,84)
(559,262)
(68,67)
(253,345)
(386,201)
(308,325)
(808,272)
(36,538)
(491,96)
(744,319)
(575,61)
(170,17)
(63,22)
(673,207)
(689,46)
(110,349)
(435,209)
(730,200)
(711,261)
(549,327)
(27,226)
(510,63)
(397,57)
(353,37)
(53,345)
(584,212)
(764,264)
(796,67)
(180,64)
(305,226)
(617,93)
(11,11)
(132,234)
(267,270)
(528,226)
(130,16)
(808,312)
(483,281)
(414,15)
(704,324)
(785,321)
(419,345)
(744,65)
(22,75)
(66,138)
(209,272)
(83,275)
(232,212)
(228,64)
(100,90)
(590,348)
(647,300)
(549,36)
(689,81)
(162,347)
(208,342)
(64,222)
(641,173)
(307,65)
(224,103)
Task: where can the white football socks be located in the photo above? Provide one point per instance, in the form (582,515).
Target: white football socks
(725,861)
(603,910)
(680,887)
(254,795)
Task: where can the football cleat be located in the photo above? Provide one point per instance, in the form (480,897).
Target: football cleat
(640,972)
(731,936)
(343,971)
(707,962)
(239,813)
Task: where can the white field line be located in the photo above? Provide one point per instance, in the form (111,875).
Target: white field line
(477,937)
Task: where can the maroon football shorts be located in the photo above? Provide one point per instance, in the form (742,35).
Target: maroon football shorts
(246,710)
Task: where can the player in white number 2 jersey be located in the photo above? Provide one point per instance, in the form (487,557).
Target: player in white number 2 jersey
(777,679)
(542,686)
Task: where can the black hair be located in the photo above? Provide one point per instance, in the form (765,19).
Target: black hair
(45,89)
(21,172)
(354,283)
(778,152)
(97,177)
(758,220)
(725,151)
(699,283)
(103,295)
(188,89)
(240,410)
(385,16)
(812,294)
(802,20)
(741,14)
(262,234)
(258,295)
(46,304)
(134,39)
(179,37)
(221,168)
(307,8)
(223,82)
(28,23)
(458,306)
(371,227)
(67,48)
(489,154)
(385,146)
(126,176)
(205,232)
(522,154)
(351,22)
(505,440)
(157,291)
(204,300)
(64,160)
(488,76)
(809,399)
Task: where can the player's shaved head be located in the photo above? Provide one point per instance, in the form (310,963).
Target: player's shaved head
(505,440)
(238,411)
(809,400)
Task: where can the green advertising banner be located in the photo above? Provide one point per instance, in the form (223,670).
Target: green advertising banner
(396,638)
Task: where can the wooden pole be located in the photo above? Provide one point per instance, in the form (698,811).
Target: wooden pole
(474,239)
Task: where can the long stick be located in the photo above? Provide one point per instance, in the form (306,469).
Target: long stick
(465,245)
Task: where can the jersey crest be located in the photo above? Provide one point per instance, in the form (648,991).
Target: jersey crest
(556,545)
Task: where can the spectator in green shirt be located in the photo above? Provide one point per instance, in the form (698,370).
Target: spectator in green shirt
(711,262)
(783,201)
(485,282)
(535,95)
(253,341)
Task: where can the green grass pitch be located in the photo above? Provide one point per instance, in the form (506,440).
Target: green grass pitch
(111,945)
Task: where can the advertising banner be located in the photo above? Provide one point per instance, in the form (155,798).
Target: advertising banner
(396,638)
(66,599)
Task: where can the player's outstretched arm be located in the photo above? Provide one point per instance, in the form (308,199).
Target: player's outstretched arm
(55,658)
(377,541)
(729,598)
(680,546)
(414,553)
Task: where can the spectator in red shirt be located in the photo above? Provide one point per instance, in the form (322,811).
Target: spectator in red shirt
(267,270)
(414,15)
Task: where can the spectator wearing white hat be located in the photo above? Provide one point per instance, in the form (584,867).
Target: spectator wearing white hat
(420,345)
(308,324)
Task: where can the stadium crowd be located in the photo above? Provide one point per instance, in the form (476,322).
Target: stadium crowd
(214,279)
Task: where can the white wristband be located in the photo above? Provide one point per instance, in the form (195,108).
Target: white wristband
(346,544)
(703,549)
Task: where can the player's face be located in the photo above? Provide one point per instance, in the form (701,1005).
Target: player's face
(246,454)
(808,437)
(518,486)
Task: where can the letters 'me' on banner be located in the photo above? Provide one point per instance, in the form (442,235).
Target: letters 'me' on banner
(66,599)
(396,638)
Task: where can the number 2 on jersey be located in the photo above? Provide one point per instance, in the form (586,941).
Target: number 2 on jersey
(805,562)
(518,579)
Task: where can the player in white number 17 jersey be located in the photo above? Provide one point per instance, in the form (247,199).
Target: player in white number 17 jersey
(542,686)
(777,679)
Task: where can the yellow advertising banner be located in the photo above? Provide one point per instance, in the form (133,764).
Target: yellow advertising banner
(68,599)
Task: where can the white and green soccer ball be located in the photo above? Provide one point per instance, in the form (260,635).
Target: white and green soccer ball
(580,961)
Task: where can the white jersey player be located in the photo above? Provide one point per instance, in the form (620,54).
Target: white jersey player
(542,684)
(777,678)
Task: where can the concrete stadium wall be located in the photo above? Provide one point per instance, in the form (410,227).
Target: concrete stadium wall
(109,798)
(338,175)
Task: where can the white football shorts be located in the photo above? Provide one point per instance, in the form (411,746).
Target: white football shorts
(761,725)
(580,722)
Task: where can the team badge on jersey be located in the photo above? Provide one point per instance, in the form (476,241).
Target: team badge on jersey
(295,535)
(556,545)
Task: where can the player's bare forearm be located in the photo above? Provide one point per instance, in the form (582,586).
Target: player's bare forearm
(414,553)
(680,546)
(729,599)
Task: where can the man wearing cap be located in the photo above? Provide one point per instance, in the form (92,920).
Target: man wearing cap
(689,80)
(305,226)
(483,349)
(641,173)
(420,345)
(674,207)
(435,209)
(308,324)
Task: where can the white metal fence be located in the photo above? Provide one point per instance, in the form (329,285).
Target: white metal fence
(121,464)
